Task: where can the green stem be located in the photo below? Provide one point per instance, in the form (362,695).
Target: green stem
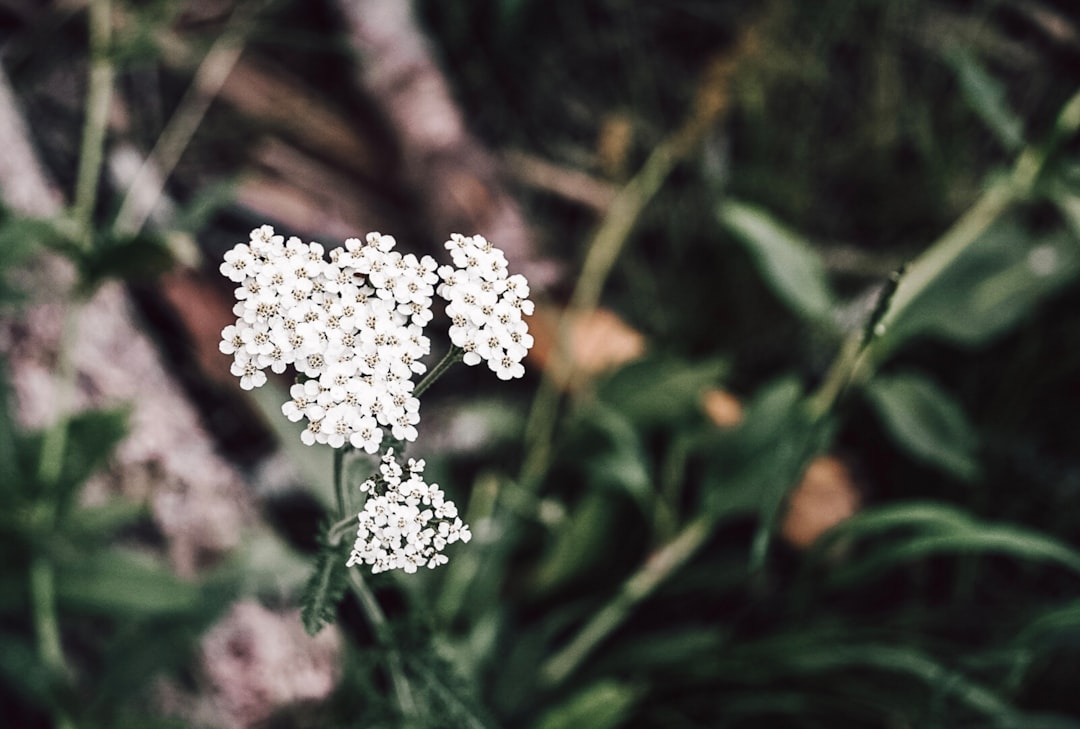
(926,269)
(376,617)
(381,626)
(339,480)
(149,182)
(604,249)
(42,576)
(859,357)
(53,445)
(99,97)
(660,565)
(452,357)
(46,625)
(340,528)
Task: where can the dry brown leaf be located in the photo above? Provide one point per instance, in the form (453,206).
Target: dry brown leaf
(598,342)
(825,497)
(613,145)
(723,408)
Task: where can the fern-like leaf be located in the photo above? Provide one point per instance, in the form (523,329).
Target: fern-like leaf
(326,587)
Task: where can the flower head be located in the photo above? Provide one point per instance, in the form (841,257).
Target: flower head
(405,523)
(486,306)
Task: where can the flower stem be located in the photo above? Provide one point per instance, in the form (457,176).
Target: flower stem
(453,356)
(340,528)
(660,565)
(339,480)
(99,97)
(376,617)
(146,188)
(860,356)
(381,626)
(47,626)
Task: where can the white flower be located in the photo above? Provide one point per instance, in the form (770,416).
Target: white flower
(232,338)
(239,263)
(393,531)
(485,306)
(353,329)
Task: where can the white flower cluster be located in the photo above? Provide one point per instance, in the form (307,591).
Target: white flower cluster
(352,325)
(406,523)
(486,306)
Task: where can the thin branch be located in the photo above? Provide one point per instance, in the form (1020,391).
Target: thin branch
(99,98)
(146,188)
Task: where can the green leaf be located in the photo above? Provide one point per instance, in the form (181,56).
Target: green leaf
(91,438)
(325,588)
(578,543)
(19,239)
(788,264)
(22,670)
(753,468)
(118,582)
(937,529)
(988,288)
(659,391)
(10,474)
(986,97)
(926,422)
(141,256)
(604,705)
(142,650)
(1005,540)
(612,453)
(98,524)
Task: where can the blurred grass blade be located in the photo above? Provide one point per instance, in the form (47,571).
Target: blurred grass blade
(1014,542)
(787,263)
(22,670)
(604,705)
(119,582)
(986,97)
(937,529)
(925,421)
(983,290)
(579,543)
(658,391)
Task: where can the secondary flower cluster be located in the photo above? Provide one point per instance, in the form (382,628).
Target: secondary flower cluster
(486,306)
(406,523)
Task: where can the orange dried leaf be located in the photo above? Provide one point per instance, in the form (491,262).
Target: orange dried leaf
(826,496)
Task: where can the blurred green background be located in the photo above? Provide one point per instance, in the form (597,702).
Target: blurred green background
(816,465)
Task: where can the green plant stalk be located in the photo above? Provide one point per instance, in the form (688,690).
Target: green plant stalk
(42,576)
(660,565)
(604,249)
(858,360)
(99,98)
(47,626)
(339,481)
(381,626)
(371,608)
(452,357)
(146,188)
(669,495)
(340,528)
(53,445)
